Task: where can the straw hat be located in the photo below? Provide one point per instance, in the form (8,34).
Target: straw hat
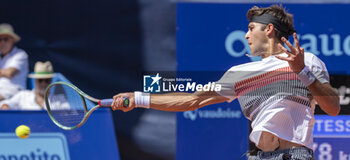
(7,29)
(42,70)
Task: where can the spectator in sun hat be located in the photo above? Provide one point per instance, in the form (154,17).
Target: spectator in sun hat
(34,99)
(13,63)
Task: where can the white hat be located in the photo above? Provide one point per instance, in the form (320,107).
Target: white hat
(42,70)
(6,29)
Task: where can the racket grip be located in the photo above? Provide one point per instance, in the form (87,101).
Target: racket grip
(108,102)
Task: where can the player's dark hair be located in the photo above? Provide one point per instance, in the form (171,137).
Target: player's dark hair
(280,13)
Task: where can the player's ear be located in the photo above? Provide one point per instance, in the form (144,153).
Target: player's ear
(270,30)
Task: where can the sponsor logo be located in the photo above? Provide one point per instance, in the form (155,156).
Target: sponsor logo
(34,154)
(212,114)
(155,83)
(191,86)
(331,134)
(322,44)
(151,83)
(41,146)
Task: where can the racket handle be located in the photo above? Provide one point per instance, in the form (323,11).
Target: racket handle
(108,102)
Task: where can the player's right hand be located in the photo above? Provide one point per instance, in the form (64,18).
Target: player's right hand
(118,102)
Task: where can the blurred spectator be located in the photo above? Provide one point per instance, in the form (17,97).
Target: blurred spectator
(13,63)
(32,99)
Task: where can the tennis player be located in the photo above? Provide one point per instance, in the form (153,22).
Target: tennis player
(276,94)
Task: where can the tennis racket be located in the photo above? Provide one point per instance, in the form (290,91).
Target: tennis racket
(69,107)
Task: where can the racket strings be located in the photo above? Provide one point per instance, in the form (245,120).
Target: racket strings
(68,118)
(67,106)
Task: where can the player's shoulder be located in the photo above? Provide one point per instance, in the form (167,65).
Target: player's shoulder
(245,66)
(309,55)
(311,58)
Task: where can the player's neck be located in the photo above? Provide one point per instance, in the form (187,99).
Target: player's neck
(272,49)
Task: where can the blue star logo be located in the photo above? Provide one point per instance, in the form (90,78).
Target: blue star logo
(152,83)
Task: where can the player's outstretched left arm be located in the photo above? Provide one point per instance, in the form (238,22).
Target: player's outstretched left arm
(323,93)
(176,101)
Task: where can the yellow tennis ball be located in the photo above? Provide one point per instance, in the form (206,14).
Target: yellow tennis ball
(22,131)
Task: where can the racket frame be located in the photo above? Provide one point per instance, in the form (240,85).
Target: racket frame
(83,95)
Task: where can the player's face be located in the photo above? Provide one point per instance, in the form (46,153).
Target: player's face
(6,43)
(257,39)
(41,85)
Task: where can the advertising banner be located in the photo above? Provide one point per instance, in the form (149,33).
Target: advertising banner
(48,146)
(332,137)
(95,140)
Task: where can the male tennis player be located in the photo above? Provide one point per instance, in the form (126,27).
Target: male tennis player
(277,94)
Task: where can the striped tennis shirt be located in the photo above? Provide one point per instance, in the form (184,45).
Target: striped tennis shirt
(273,98)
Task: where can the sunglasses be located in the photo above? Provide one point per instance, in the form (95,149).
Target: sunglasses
(44,80)
(5,39)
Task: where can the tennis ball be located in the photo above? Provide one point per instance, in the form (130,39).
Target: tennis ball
(22,131)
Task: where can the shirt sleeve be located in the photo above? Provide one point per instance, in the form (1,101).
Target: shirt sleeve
(13,102)
(318,68)
(19,60)
(227,85)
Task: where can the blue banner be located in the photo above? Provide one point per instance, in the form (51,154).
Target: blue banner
(335,148)
(95,140)
(332,137)
(38,146)
(327,126)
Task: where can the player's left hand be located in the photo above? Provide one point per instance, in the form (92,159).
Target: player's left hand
(295,55)
(118,102)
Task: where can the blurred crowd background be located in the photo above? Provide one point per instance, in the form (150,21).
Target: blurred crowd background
(105,47)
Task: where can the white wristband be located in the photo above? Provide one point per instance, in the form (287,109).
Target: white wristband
(142,100)
(306,76)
